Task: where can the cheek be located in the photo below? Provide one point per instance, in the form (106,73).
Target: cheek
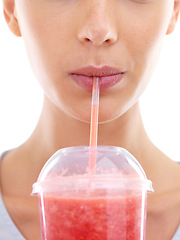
(143,39)
(43,34)
(147,28)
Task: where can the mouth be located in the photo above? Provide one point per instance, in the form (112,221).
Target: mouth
(108,77)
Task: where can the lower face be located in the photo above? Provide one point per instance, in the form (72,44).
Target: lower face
(62,36)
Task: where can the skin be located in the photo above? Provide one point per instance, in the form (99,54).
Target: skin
(61,36)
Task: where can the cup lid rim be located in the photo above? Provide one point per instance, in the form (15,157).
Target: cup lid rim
(40,186)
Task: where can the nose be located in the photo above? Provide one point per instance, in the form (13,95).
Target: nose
(98,26)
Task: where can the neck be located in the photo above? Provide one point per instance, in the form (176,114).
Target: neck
(57,130)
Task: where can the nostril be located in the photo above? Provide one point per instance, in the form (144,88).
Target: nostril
(87,40)
(107,41)
(97,36)
(96,41)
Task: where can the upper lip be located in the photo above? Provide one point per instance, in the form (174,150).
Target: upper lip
(92,71)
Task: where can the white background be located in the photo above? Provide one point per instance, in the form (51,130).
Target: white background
(21,96)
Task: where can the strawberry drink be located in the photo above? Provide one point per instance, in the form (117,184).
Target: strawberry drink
(108,203)
(96,218)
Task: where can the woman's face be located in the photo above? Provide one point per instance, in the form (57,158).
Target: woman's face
(69,41)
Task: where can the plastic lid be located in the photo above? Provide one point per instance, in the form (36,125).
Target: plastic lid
(114,164)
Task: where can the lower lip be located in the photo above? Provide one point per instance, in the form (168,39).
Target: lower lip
(105,82)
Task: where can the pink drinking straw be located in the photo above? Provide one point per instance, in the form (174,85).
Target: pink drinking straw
(94,124)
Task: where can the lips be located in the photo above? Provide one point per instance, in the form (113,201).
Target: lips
(108,77)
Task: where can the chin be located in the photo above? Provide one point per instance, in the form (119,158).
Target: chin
(104,117)
(109,113)
(106,113)
(107,118)
(82,117)
(86,118)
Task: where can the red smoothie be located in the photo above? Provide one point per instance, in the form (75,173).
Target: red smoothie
(93,218)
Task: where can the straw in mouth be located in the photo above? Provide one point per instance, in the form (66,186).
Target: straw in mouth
(94,124)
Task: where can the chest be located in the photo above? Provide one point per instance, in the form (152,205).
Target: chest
(163,217)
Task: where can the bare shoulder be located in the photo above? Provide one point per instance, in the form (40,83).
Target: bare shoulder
(163,208)
(21,207)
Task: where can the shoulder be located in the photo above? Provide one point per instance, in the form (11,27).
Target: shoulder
(8,230)
(163,207)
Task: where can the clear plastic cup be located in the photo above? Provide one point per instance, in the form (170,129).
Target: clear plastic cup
(78,205)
